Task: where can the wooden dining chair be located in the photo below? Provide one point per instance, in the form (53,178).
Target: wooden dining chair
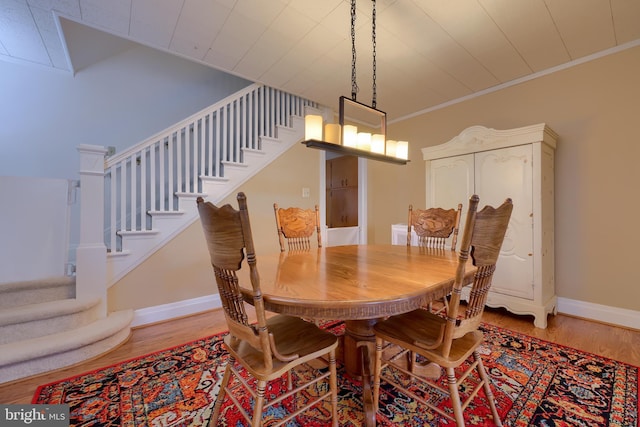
(447,342)
(433,227)
(296,226)
(272,347)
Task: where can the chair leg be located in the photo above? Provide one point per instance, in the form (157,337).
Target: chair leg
(333,384)
(213,420)
(487,389)
(257,408)
(376,373)
(454,393)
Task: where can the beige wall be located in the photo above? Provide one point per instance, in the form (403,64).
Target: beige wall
(181,270)
(594,108)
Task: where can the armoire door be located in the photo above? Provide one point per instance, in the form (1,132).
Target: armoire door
(508,172)
(451,182)
(493,175)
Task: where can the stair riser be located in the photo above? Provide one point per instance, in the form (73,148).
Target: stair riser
(50,362)
(33,356)
(27,295)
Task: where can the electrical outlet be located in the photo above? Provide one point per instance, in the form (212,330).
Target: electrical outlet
(305,192)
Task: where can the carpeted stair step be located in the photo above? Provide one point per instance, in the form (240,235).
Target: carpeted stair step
(36,320)
(30,357)
(14,294)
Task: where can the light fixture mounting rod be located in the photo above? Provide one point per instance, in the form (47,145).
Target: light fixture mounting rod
(373,39)
(354,84)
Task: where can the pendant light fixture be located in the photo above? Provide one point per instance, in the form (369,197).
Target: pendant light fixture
(362,129)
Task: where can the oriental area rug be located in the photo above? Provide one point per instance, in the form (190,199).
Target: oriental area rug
(535,382)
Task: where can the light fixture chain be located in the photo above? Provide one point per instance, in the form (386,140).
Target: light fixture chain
(345,138)
(354,85)
(373,38)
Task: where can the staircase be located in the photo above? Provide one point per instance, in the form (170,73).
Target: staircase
(151,188)
(132,204)
(44,327)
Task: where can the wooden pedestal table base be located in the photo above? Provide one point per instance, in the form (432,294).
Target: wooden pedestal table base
(358,354)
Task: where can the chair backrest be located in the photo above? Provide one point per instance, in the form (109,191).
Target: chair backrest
(482,238)
(228,235)
(296,226)
(434,226)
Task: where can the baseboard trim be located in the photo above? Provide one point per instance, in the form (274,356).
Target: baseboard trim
(159,313)
(597,312)
(600,313)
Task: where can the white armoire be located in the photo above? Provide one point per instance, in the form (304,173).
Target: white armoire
(497,164)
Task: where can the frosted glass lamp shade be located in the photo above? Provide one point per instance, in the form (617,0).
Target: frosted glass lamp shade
(350,136)
(391,148)
(377,143)
(332,133)
(364,141)
(402,150)
(313,127)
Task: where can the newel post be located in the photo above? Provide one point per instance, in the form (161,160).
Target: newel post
(91,255)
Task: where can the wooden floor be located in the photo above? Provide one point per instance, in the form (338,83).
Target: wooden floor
(613,342)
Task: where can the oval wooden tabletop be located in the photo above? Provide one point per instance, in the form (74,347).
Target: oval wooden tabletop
(354,281)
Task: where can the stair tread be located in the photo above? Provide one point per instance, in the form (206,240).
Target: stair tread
(254,151)
(49,282)
(235,164)
(137,232)
(221,179)
(186,195)
(169,213)
(20,351)
(44,310)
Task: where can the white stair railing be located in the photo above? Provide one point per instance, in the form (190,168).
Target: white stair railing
(147,178)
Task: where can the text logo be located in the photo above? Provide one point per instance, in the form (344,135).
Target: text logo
(34,415)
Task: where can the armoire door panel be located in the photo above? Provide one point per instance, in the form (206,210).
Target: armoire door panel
(499,174)
(452,182)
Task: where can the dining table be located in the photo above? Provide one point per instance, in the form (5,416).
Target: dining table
(359,284)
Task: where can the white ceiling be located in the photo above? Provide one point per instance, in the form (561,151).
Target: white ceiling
(429,52)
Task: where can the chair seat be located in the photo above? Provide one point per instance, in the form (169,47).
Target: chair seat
(292,335)
(421,326)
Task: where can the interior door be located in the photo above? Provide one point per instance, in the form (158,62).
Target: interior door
(343,207)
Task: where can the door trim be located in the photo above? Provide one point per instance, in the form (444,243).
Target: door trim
(362,199)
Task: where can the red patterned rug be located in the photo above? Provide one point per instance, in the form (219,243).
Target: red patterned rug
(536,383)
